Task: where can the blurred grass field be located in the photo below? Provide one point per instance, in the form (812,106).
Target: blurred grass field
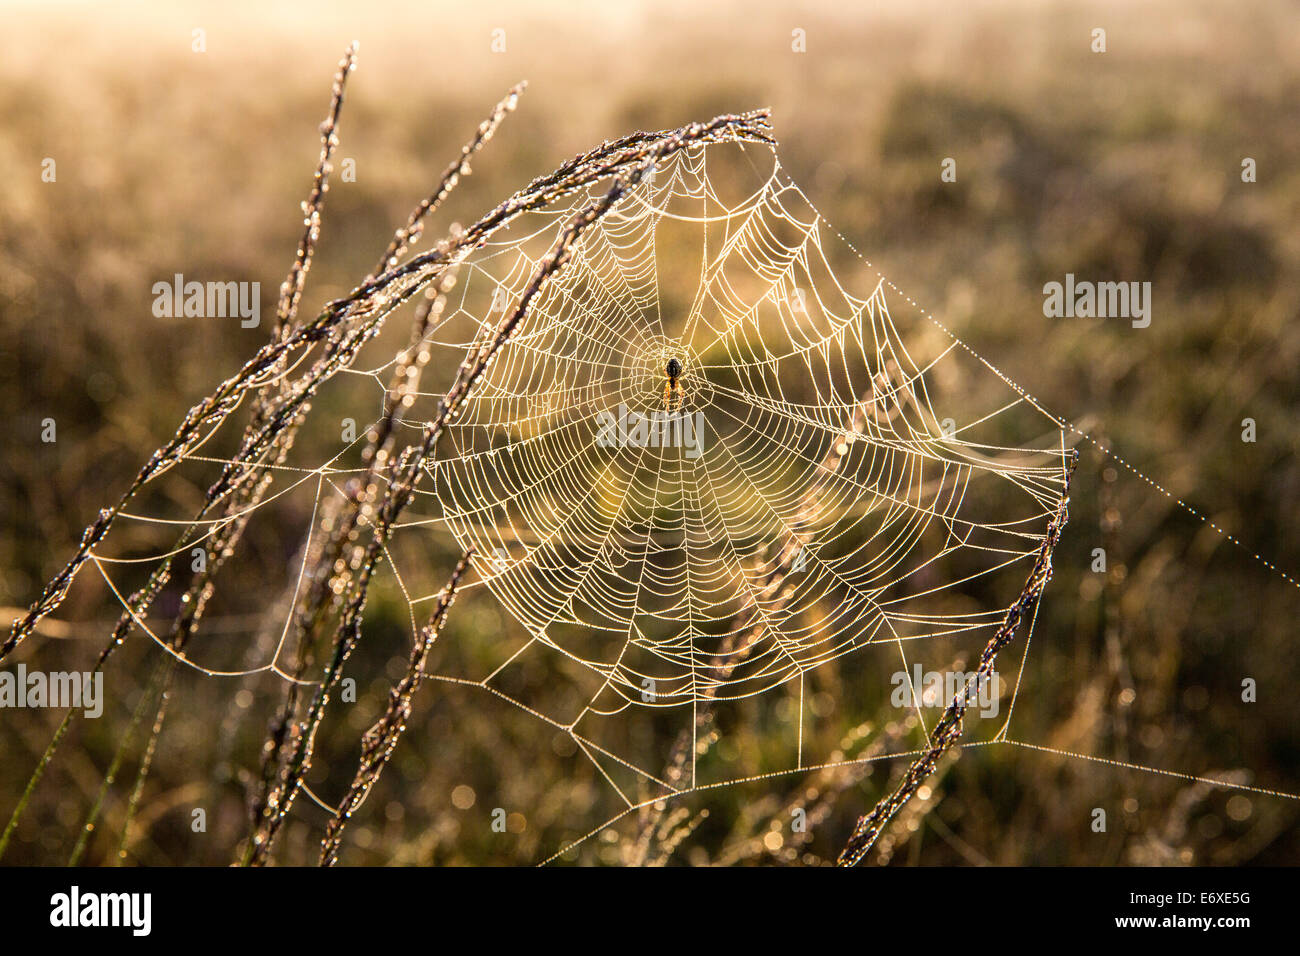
(1123,165)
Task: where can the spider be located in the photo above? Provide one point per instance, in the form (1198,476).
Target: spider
(672,390)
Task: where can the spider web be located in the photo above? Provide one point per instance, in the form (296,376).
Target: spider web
(833,491)
(846,490)
(843,489)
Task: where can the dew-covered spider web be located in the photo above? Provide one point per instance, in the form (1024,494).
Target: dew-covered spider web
(809,495)
(824,504)
(825,484)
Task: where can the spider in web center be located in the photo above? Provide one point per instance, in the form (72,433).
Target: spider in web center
(672,390)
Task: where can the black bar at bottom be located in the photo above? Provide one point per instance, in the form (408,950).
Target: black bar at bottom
(404,907)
